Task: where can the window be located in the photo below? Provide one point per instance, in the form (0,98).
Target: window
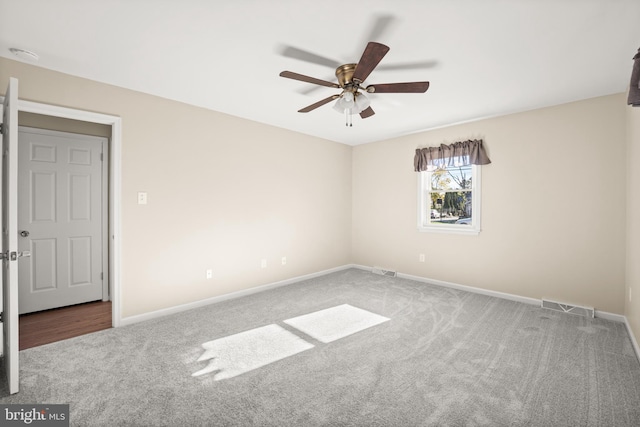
(449,199)
(449,186)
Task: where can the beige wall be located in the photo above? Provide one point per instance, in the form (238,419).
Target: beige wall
(633,225)
(224,193)
(553,206)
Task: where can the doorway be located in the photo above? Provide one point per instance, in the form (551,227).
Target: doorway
(50,117)
(63,222)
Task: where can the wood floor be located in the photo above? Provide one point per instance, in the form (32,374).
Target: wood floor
(49,326)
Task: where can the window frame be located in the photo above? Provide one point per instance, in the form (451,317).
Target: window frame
(424,224)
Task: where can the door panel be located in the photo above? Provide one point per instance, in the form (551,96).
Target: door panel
(62,174)
(42,153)
(43,197)
(79,197)
(80,249)
(43,258)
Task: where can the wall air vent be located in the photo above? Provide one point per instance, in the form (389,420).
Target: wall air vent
(383,272)
(568,308)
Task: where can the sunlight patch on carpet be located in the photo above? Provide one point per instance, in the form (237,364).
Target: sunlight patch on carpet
(249,350)
(336,322)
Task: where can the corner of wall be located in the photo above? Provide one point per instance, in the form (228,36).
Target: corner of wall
(632,285)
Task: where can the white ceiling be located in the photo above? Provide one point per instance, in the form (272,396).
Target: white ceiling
(483,57)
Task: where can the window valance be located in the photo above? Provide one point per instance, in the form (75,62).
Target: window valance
(456,154)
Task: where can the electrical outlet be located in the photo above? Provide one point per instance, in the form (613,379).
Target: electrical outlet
(263,264)
(209,274)
(142,198)
(421,257)
(284,260)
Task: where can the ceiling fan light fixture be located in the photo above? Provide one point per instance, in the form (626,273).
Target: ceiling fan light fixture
(351,103)
(355,103)
(345,102)
(362,102)
(339,106)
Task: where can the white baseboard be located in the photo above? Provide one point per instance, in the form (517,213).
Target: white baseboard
(196,304)
(610,316)
(503,295)
(512,297)
(634,342)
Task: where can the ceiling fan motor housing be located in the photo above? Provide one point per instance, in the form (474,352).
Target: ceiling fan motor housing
(344,73)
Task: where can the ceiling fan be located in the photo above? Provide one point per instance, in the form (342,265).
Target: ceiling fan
(350,78)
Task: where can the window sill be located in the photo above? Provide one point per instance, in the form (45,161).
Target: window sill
(450,230)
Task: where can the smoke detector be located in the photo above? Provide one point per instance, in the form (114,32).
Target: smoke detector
(24,54)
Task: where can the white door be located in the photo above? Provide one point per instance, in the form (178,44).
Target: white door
(10,255)
(61,218)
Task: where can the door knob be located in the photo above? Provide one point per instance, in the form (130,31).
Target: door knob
(24,233)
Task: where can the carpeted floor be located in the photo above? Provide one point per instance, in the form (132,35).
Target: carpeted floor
(445,358)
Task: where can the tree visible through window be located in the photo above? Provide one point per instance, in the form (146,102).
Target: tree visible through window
(451,195)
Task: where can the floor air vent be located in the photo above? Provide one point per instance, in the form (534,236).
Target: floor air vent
(381,271)
(567,308)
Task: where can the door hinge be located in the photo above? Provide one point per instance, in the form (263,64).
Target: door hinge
(2,128)
(101,276)
(100,156)
(1,316)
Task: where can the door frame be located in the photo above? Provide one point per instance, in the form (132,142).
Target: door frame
(115,188)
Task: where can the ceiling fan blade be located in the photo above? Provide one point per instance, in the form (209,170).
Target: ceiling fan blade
(381,25)
(303,55)
(368,112)
(303,78)
(419,65)
(318,104)
(411,87)
(371,57)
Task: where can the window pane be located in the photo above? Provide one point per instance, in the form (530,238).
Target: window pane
(447,198)
(453,178)
(451,207)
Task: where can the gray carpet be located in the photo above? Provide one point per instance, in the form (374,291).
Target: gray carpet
(446,358)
